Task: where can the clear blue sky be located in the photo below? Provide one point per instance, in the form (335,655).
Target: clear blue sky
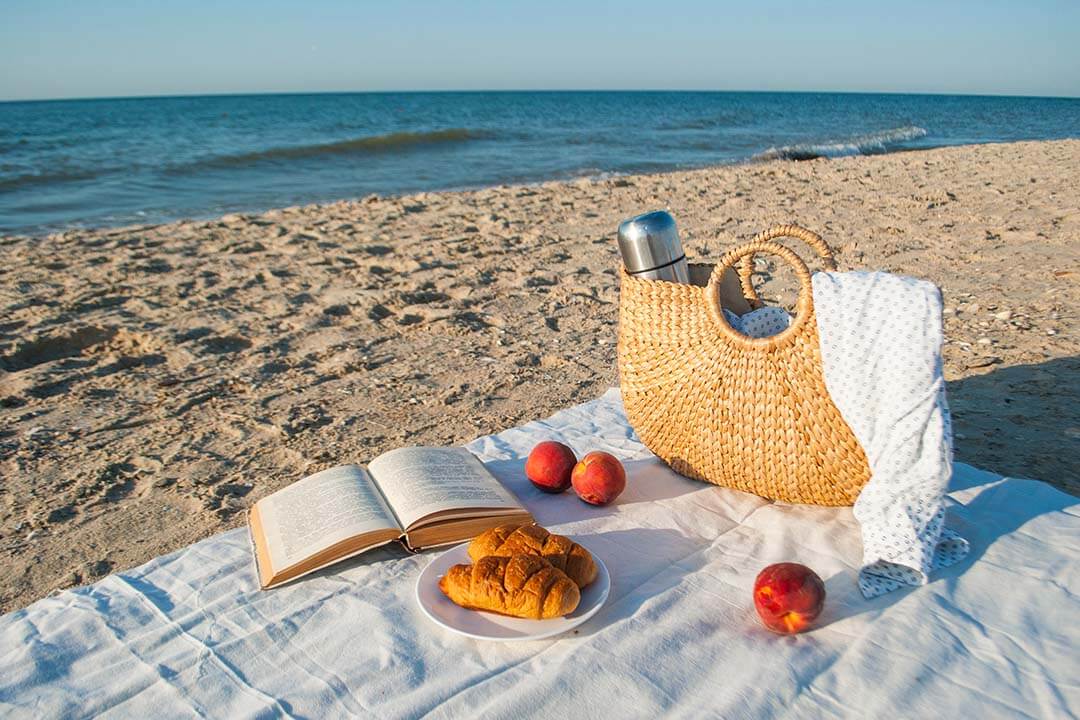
(94,48)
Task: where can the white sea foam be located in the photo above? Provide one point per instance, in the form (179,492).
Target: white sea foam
(863,144)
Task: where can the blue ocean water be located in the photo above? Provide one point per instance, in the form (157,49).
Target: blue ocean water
(145,160)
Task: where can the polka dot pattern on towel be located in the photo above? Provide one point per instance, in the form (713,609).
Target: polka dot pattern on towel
(759,323)
(881,338)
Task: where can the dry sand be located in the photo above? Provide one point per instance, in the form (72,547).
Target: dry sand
(156,381)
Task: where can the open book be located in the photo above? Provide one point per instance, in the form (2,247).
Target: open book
(422,496)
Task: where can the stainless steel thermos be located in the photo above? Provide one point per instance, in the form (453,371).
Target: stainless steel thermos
(651,249)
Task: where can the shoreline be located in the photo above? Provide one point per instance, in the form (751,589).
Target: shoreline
(763,156)
(156,380)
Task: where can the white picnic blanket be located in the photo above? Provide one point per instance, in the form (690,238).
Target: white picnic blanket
(189,634)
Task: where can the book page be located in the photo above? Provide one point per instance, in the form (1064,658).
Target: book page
(325,508)
(419,481)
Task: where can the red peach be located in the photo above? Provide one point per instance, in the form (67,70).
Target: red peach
(788,597)
(599,478)
(549,466)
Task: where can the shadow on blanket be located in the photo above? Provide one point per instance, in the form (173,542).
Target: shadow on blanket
(988,508)
(648,481)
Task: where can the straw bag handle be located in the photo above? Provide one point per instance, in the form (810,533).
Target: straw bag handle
(746,270)
(804,306)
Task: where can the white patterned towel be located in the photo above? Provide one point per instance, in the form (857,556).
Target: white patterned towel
(881,354)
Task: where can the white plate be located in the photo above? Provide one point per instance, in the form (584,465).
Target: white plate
(491,626)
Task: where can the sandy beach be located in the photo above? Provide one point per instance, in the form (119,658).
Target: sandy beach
(156,381)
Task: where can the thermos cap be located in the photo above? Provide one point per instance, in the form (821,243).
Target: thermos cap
(649,241)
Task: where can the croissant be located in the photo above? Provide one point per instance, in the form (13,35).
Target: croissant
(560,551)
(525,586)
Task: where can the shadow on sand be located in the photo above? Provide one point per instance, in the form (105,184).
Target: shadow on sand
(1021,421)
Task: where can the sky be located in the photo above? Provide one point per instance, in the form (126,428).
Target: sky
(104,48)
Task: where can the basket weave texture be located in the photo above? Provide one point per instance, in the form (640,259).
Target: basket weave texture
(716,405)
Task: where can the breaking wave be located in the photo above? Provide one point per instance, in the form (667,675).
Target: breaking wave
(874,143)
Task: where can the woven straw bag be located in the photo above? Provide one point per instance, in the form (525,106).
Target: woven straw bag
(716,405)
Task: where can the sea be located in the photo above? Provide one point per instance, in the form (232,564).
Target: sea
(122,161)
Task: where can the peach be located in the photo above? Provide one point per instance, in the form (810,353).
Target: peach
(599,478)
(788,597)
(549,466)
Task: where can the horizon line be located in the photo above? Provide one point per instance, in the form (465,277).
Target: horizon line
(286,93)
